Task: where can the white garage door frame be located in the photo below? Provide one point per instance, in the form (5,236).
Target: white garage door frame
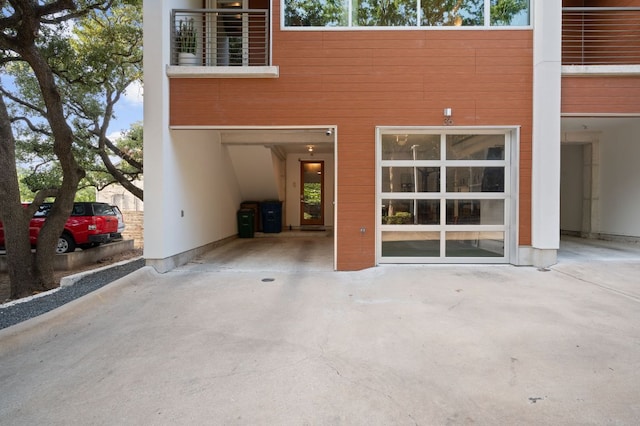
(498,239)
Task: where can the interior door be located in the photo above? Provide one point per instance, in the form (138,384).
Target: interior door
(311,193)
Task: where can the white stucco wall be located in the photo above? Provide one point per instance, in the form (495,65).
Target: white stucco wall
(620,180)
(571,188)
(256,169)
(189,201)
(293,188)
(204,189)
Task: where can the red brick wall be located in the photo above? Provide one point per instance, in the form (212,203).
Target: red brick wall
(362,79)
(600,95)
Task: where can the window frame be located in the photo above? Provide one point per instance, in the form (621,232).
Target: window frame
(350,27)
(509,228)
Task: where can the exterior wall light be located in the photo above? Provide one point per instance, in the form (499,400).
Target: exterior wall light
(448,112)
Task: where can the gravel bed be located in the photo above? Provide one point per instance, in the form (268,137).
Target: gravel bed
(15,313)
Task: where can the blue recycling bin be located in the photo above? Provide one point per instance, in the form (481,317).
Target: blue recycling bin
(271,216)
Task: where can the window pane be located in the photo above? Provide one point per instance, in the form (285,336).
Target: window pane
(410,147)
(410,244)
(403,179)
(402,212)
(385,13)
(428,212)
(309,13)
(397,212)
(474,244)
(475,212)
(43,210)
(475,179)
(509,12)
(452,13)
(475,147)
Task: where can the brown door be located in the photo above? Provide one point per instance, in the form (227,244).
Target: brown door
(311,193)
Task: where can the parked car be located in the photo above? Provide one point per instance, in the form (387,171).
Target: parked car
(89,225)
(118,235)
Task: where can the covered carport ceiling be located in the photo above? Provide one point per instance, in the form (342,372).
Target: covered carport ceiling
(290,141)
(593,124)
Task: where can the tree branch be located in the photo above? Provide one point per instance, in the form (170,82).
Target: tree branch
(31,126)
(22,102)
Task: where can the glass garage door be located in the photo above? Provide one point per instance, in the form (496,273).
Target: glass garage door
(443,196)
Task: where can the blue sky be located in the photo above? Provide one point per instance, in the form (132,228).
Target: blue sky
(127,111)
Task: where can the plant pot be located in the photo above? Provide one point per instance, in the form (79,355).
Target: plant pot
(187,59)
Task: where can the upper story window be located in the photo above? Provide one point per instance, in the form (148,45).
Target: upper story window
(405,13)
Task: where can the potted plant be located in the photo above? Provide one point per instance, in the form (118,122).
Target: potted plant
(186,42)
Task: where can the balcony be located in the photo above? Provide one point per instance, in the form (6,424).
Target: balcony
(601,40)
(220,43)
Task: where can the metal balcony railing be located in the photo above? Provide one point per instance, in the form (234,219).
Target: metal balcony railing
(601,36)
(220,37)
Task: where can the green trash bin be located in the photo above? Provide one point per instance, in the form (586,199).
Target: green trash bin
(245,223)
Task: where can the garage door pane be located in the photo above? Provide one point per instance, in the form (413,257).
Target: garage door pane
(410,147)
(475,244)
(475,179)
(410,244)
(475,212)
(475,147)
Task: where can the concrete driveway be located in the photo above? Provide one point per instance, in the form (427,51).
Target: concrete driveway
(233,339)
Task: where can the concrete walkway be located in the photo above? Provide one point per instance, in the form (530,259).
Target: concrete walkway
(237,339)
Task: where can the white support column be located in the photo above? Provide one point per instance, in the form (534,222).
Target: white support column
(156,123)
(547,73)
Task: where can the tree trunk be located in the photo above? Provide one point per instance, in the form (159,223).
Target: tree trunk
(71,171)
(15,218)
(119,177)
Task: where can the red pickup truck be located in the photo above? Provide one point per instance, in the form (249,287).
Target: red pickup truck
(89,225)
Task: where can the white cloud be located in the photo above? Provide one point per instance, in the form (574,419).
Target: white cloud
(115,136)
(133,94)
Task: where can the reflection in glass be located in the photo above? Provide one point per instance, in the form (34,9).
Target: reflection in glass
(403,179)
(475,147)
(509,12)
(452,13)
(330,13)
(410,147)
(384,13)
(410,244)
(474,244)
(475,212)
(312,191)
(475,179)
(402,212)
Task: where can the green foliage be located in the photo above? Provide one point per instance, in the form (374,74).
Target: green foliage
(186,36)
(452,12)
(383,13)
(314,13)
(400,218)
(27,195)
(503,11)
(312,193)
(399,12)
(94,60)
(132,142)
(86,194)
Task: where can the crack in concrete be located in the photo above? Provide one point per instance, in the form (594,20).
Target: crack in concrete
(602,286)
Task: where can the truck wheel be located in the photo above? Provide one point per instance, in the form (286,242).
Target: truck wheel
(65,244)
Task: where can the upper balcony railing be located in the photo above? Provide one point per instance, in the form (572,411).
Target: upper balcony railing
(220,37)
(600,36)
